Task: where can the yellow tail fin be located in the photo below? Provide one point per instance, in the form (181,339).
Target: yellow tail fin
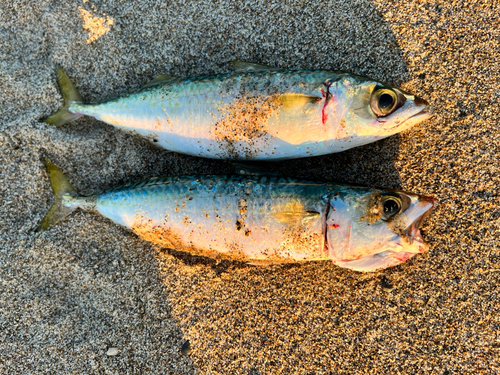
(70,95)
(62,188)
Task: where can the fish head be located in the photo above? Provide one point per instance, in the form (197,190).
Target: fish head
(364,110)
(371,229)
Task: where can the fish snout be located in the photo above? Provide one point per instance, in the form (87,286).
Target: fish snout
(428,202)
(420,102)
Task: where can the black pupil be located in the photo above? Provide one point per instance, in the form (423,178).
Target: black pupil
(391,207)
(385,101)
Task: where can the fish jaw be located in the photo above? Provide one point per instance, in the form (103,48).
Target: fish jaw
(415,216)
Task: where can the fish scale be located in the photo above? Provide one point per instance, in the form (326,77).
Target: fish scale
(255,112)
(260,219)
(227,214)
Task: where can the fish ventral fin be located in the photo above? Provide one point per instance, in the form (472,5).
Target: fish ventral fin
(241,66)
(70,95)
(294,217)
(61,188)
(162,78)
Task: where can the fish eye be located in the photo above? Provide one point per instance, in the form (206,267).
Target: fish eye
(384,101)
(391,206)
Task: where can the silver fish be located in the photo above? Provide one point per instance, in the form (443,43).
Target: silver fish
(257,112)
(259,219)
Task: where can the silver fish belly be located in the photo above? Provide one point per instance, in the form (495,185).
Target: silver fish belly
(255,113)
(261,219)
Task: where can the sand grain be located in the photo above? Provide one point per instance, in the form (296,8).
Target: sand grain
(73,293)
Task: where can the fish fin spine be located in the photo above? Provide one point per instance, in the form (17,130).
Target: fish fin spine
(70,96)
(66,197)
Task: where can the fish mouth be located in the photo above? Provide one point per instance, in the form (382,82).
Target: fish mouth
(412,232)
(423,114)
(416,118)
(420,116)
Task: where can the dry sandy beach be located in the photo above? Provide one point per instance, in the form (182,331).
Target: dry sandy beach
(88,297)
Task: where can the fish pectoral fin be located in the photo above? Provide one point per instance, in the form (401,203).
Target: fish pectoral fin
(294,217)
(293,101)
(162,78)
(241,66)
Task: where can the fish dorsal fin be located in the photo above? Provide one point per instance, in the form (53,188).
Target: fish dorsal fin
(159,79)
(294,217)
(293,101)
(241,66)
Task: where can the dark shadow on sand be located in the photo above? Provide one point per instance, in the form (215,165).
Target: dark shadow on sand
(318,35)
(336,45)
(333,43)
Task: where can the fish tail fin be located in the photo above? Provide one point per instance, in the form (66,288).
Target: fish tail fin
(62,190)
(70,95)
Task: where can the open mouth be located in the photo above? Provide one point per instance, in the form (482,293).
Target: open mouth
(413,232)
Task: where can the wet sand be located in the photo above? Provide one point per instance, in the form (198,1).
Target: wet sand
(89,297)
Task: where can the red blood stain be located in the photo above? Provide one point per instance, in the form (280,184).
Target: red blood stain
(326,94)
(324,116)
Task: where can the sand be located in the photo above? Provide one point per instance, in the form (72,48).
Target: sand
(88,297)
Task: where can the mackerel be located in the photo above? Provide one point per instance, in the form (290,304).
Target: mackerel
(254,113)
(260,219)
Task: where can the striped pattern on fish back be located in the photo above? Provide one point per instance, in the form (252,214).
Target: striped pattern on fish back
(199,186)
(281,81)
